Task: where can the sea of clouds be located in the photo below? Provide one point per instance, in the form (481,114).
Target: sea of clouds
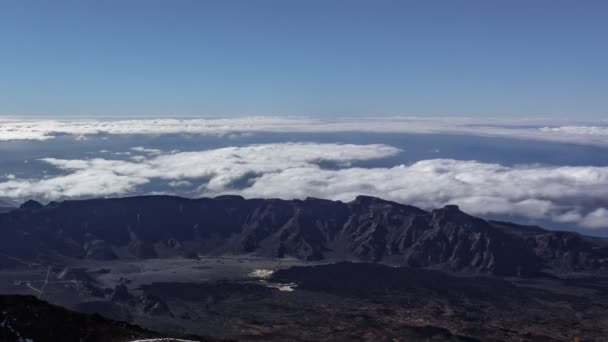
(564,194)
(576,195)
(12,129)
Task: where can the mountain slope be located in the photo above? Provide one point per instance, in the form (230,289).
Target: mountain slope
(25,318)
(366,229)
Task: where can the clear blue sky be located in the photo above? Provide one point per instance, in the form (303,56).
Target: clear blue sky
(308,57)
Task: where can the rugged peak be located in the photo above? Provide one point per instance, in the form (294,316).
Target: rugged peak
(230,198)
(366,200)
(450,212)
(363,198)
(452,215)
(315,199)
(452,208)
(31,205)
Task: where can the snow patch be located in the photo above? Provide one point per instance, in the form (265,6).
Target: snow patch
(283,287)
(164,340)
(261,273)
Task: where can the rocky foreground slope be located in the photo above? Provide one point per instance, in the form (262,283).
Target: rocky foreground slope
(28,319)
(366,229)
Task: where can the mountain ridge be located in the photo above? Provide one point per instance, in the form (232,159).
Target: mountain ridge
(366,229)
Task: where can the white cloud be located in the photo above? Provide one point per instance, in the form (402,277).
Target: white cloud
(577,195)
(48,129)
(479,188)
(582,130)
(596,219)
(535,129)
(180,184)
(223,167)
(146,150)
(81,183)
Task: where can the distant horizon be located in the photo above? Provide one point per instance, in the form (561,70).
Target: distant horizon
(377,116)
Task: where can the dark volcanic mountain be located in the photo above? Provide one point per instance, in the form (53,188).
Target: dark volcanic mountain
(366,229)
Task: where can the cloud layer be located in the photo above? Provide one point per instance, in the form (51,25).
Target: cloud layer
(221,168)
(16,129)
(572,195)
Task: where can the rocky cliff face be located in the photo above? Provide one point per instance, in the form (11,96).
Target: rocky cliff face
(366,229)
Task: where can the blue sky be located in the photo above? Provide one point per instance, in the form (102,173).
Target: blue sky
(327,58)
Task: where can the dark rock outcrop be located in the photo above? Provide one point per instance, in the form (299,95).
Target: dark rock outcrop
(25,318)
